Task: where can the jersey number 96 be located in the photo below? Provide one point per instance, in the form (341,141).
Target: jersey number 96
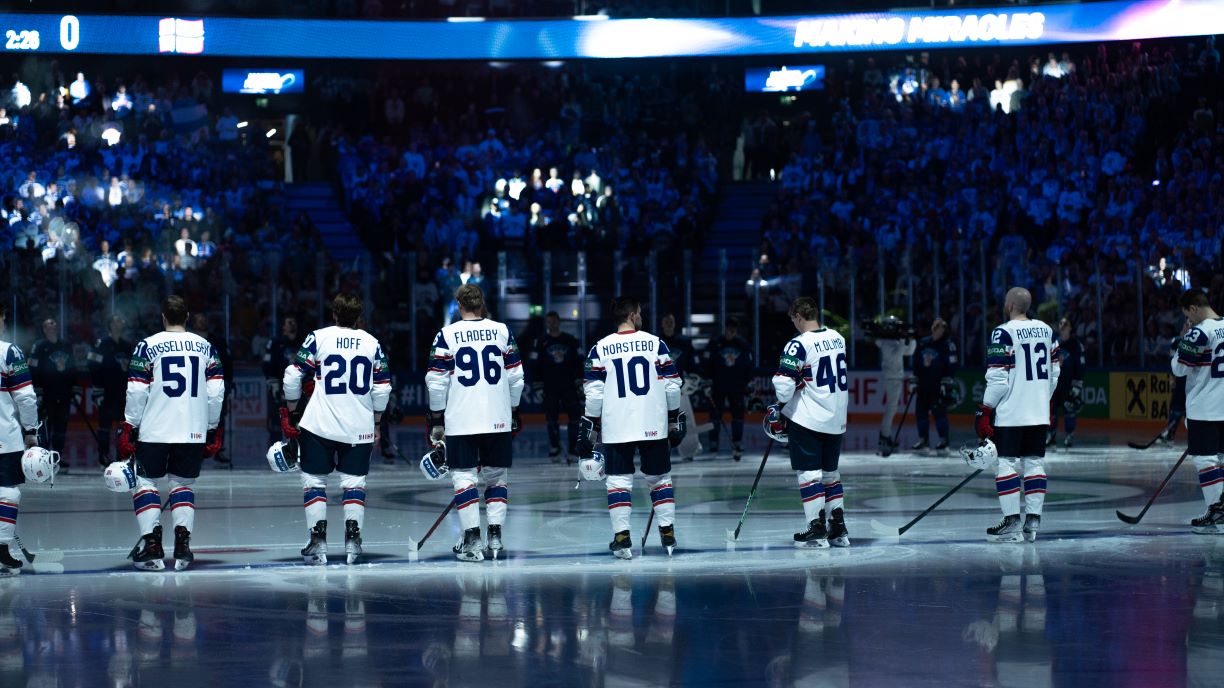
(470,364)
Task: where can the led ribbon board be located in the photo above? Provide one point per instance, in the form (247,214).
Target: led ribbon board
(616,38)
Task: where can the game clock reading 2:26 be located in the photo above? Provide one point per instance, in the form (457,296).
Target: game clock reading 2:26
(28,39)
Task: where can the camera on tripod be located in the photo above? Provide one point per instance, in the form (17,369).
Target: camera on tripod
(888,327)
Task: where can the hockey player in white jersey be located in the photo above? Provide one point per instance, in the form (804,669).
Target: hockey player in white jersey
(812,385)
(633,404)
(1022,367)
(174,394)
(475,382)
(18,430)
(1200,359)
(338,429)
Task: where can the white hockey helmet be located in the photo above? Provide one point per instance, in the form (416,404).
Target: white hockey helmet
(281,458)
(120,477)
(984,456)
(771,416)
(592,467)
(40,465)
(433,464)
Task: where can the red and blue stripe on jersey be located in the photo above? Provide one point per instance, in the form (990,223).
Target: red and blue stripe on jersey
(1001,352)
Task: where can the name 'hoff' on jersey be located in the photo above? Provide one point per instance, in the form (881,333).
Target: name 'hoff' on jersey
(18,405)
(175,388)
(631,383)
(812,381)
(352,383)
(476,376)
(1022,369)
(1200,359)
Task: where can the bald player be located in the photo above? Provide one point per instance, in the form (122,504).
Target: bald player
(1021,375)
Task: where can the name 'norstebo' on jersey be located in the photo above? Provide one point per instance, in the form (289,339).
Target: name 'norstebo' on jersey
(630,384)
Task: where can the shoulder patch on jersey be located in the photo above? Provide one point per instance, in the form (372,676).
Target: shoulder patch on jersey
(1196,337)
(14,355)
(1001,336)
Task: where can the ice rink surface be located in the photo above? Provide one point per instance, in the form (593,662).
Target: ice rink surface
(1092,602)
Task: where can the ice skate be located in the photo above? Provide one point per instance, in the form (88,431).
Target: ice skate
(493,543)
(667,534)
(942,446)
(182,548)
(1032,524)
(838,536)
(1007,530)
(9,566)
(554,453)
(737,452)
(352,542)
(1051,438)
(622,545)
(1210,523)
(886,446)
(1068,440)
(470,548)
(147,555)
(315,551)
(920,445)
(814,537)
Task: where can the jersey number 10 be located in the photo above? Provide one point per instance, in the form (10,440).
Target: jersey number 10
(638,367)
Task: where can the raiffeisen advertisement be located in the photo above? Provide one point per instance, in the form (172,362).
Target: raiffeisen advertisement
(473,38)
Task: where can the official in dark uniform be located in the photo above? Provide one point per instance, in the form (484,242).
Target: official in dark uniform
(681,347)
(278,354)
(1068,396)
(935,362)
(108,372)
(558,366)
(728,363)
(54,372)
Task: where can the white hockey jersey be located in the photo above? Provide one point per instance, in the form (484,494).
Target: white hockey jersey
(18,405)
(476,376)
(631,384)
(1022,368)
(175,388)
(892,356)
(352,383)
(1200,359)
(812,381)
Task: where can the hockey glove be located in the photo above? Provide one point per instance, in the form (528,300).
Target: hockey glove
(288,427)
(30,435)
(775,420)
(911,385)
(588,436)
(213,442)
(677,427)
(516,422)
(982,422)
(125,442)
(1075,400)
(435,423)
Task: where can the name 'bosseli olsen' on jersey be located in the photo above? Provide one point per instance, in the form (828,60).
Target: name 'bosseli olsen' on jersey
(632,406)
(168,372)
(352,383)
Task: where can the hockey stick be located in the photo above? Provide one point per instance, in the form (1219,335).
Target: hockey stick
(47,556)
(647,535)
(1135,519)
(904,415)
(414,547)
(734,536)
(886,530)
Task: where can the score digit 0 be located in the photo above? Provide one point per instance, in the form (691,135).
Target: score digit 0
(70,32)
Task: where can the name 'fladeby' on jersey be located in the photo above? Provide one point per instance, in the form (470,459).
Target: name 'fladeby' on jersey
(813,382)
(476,376)
(631,383)
(175,388)
(352,383)
(18,405)
(1022,369)
(1200,359)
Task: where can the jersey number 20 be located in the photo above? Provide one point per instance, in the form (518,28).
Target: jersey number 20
(359,369)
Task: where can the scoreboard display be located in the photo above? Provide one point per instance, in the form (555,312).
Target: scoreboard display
(474,38)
